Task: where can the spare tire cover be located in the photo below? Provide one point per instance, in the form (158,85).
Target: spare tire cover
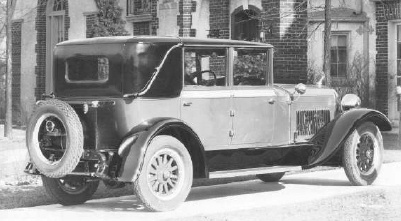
(54,138)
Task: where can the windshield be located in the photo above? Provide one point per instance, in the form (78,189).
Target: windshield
(142,61)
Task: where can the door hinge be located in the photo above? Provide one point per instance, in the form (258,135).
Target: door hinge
(231,133)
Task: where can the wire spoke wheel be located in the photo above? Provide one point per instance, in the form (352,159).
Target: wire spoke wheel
(363,154)
(51,138)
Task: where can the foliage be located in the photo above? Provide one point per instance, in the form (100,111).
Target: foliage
(109,21)
(313,75)
(355,83)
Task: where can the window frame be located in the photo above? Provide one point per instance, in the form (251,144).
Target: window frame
(347,47)
(230,65)
(227,67)
(398,54)
(268,62)
(102,81)
(131,9)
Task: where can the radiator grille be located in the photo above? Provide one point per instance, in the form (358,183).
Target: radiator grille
(310,121)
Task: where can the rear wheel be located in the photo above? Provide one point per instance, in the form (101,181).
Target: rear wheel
(166,176)
(70,190)
(363,154)
(270,177)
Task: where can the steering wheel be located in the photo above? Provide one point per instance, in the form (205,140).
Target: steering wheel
(198,75)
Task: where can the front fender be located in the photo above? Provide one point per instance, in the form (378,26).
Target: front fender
(331,137)
(133,148)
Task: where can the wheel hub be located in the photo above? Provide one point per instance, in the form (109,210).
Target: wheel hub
(365,153)
(164,174)
(369,154)
(52,138)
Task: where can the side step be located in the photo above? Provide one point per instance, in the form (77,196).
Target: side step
(253,171)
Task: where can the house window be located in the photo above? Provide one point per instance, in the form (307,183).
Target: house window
(58,5)
(339,56)
(141,28)
(245,25)
(138,7)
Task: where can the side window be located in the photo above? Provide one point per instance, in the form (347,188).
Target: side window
(250,67)
(205,67)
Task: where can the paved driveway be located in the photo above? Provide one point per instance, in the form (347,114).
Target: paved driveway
(230,198)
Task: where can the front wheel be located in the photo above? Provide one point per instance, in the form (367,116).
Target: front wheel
(363,154)
(166,176)
(70,190)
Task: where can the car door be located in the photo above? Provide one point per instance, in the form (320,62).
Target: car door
(253,99)
(206,98)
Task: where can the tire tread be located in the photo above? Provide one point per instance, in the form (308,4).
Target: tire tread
(75,149)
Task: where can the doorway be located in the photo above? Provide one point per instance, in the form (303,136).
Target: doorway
(55,33)
(245,24)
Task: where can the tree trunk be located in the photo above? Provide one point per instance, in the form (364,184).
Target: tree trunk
(327,42)
(8,121)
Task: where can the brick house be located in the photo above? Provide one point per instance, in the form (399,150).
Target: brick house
(292,26)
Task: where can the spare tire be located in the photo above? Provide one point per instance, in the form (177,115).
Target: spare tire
(54,138)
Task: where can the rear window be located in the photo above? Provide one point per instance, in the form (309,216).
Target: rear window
(87,69)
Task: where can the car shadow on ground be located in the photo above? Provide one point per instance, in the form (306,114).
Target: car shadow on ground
(233,189)
(316,182)
(132,204)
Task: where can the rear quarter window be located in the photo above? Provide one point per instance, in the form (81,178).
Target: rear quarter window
(87,69)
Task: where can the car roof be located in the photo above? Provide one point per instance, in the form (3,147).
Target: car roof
(158,39)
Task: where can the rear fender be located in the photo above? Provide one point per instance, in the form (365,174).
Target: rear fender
(328,140)
(133,148)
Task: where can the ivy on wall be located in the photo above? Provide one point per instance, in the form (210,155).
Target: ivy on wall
(109,21)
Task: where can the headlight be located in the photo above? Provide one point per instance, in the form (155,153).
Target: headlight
(350,101)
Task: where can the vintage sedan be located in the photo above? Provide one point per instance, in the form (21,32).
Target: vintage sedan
(159,112)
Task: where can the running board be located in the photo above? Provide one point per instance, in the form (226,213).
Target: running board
(253,171)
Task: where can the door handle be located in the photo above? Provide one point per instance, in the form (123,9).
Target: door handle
(187,103)
(272,101)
